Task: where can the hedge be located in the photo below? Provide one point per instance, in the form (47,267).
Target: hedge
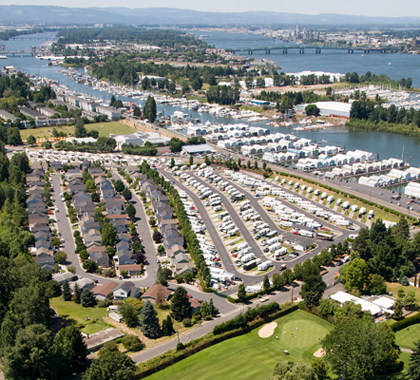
(397,326)
(172,356)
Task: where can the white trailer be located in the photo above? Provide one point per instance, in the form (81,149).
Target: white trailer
(274,247)
(265,265)
(306,233)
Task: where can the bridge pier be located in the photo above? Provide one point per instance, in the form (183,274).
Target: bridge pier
(318,51)
(267,52)
(301,51)
(367,51)
(284,51)
(250,52)
(350,51)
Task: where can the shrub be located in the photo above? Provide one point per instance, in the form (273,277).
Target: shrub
(186,322)
(180,346)
(132,343)
(397,326)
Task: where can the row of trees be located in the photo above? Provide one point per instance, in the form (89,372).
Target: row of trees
(367,110)
(223,95)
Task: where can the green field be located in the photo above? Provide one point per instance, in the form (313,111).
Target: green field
(104,129)
(76,313)
(407,337)
(251,357)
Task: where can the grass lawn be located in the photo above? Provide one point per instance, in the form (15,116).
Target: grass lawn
(393,287)
(114,127)
(251,357)
(77,313)
(104,129)
(407,337)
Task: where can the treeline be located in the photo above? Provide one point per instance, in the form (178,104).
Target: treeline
(147,150)
(367,110)
(289,99)
(11,33)
(184,224)
(381,79)
(388,253)
(15,237)
(159,37)
(223,95)
(103,144)
(124,69)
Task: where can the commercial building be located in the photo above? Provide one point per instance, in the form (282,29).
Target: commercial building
(335,109)
(198,149)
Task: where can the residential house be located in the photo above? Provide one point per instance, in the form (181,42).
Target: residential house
(92,235)
(132,269)
(126,290)
(102,292)
(45,261)
(155,291)
(101,258)
(125,257)
(61,278)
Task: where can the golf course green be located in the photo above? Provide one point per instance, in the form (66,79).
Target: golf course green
(251,357)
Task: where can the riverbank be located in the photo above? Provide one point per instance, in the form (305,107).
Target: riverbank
(400,129)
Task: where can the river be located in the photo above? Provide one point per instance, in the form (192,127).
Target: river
(385,144)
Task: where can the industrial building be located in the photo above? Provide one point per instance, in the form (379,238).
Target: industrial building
(413,189)
(335,109)
(197,149)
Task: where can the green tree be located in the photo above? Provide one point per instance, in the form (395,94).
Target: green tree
(132,343)
(76,294)
(414,365)
(126,193)
(70,343)
(191,160)
(119,186)
(180,304)
(129,314)
(266,283)
(188,277)
(256,165)
(292,371)
(355,275)
(95,197)
(167,326)
(212,161)
(402,229)
(130,210)
(376,284)
(370,345)
(175,146)
(172,164)
(409,301)
(248,164)
(313,287)
(113,365)
(137,111)
(30,140)
(149,322)
(137,247)
(320,369)
(204,309)
(66,291)
(211,309)
(161,276)
(149,111)
(109,235)
(60,257)
(79,128)
(31,357)
(89,266)
(87,298)
(241,293)
(312,109)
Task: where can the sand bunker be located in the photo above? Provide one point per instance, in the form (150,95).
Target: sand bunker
(267,330)
(320,353)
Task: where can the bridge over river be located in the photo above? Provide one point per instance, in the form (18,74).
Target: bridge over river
(317,49)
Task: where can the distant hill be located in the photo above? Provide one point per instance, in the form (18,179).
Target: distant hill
(171,16)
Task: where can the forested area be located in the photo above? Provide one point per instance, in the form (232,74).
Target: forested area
(126,70)
(381,79)
(289,99)
(367,110)
(159,37)
(224,95)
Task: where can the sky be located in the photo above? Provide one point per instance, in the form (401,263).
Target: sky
(386,8)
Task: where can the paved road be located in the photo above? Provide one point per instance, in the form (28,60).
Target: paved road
(206,327)
(144,231)
(221,249)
